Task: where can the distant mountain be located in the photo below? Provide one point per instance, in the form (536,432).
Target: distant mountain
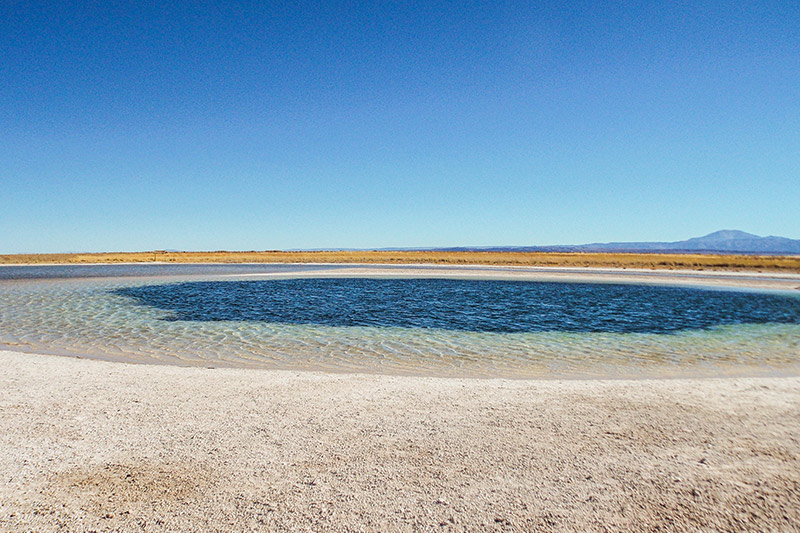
(724,241)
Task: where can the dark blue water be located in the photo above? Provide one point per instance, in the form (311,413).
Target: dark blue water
(467,305)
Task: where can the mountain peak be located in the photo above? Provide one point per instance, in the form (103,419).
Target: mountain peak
(727,235)
(723,241)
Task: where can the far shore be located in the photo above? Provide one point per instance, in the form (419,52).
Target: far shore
(784,280)
(711,262)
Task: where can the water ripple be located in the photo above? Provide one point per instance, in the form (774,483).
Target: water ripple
(421,327)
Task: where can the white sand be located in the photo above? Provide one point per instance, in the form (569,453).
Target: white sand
(93,445)
(746,279)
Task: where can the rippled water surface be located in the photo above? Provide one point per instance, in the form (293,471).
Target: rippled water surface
(289,317)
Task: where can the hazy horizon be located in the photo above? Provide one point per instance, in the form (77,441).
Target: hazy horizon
(418,248)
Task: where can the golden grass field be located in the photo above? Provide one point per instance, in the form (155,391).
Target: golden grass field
(542,259)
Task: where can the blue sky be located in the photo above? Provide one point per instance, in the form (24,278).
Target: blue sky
(258,125)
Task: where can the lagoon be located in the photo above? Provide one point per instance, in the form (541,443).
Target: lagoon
(425,321)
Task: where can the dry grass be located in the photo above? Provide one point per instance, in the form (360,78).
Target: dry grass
(565,260)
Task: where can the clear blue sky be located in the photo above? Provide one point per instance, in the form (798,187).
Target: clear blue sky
(260,125)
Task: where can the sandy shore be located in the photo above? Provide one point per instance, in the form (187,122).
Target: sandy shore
(749,279)
(742,280)
(93,445)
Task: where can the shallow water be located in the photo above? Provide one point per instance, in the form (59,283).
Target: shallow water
(205,315)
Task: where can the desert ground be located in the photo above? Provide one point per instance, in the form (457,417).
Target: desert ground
(94,445)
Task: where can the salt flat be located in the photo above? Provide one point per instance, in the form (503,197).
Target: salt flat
(94,445)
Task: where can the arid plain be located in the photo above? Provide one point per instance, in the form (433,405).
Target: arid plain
(765,263)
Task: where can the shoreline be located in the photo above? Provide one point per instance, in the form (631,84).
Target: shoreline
(731,278)
(506,266)
(89,444)
(688,277)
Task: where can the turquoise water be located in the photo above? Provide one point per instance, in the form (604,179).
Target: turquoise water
(289,317)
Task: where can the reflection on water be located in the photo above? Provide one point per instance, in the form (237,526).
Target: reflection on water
(422,327)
